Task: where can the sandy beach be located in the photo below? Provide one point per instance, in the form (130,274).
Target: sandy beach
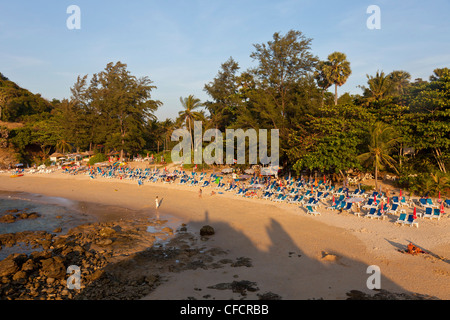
(289,254)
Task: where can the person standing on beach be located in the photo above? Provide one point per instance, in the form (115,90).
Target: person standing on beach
(200,193)
(157,202)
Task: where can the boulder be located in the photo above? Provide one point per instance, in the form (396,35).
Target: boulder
(107,232)
(53,268)
(207,231)
(8,267)
(8,218)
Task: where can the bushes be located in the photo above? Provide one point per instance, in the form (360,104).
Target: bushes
(423,184)
(99,157)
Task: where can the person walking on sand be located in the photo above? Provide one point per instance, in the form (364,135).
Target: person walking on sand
(200,193)
(157,202)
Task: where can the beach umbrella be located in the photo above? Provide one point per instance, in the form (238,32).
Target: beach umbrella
(442,208)
(382,207)
(334,202)
(387,201)
(400,193)
(375,198)
(415,213)
(439,197)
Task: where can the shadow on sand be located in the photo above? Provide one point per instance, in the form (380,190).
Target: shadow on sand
(258,275)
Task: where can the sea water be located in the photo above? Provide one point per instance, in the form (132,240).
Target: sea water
(53,213)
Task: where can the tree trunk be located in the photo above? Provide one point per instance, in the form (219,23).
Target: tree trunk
(335,95)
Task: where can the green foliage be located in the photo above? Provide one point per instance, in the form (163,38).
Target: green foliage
(99,157)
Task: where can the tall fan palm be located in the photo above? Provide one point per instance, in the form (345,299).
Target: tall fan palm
(337,70)
(189,115)
(400,80)
(382,140)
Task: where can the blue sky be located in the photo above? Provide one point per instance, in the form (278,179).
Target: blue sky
(180,45)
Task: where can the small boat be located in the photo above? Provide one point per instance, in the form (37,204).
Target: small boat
(16,175)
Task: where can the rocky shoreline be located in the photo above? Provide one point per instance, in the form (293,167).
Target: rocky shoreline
(122,260)
(118,260)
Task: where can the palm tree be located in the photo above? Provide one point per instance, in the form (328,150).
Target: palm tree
(63,146)
(380,87)
(382,140)
(439,182)
(400,80)
(189,115)
(337,70)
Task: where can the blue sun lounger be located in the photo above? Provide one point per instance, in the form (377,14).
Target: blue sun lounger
(372,213)
(411,221)
(401,220)
(310,210)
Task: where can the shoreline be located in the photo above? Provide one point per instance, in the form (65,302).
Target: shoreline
(293,255)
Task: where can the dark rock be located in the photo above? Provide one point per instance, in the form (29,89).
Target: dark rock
(207,231)
(269,296)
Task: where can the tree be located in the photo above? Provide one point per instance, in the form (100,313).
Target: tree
(337,70)
(379,87)
(429,120)
(400,81)
(330,141)
(321,78)
(124,105)
(382,140)
(187,116)
(281,64)
(224,91)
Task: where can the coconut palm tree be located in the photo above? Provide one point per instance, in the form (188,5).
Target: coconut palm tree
(382,140)
(379,87)
(63,146)
(189,114)
(337,70)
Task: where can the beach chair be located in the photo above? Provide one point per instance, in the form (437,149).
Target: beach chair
(370,205)
(395,200)
(310,210)
(335,207)
(393,209)
(205,184)
(280,198)
(436,214)
(411,221)
(403,202)
(348,207)
(371,214)
(428,212)
(380,214)
(447,203)
(294,199)
(401,220)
